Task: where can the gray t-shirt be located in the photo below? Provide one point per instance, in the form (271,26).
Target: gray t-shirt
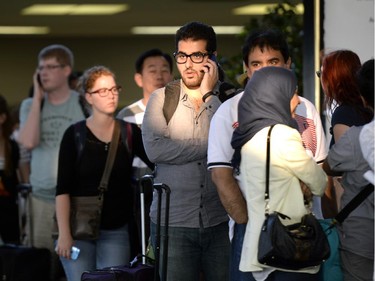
(357,231)
(55,119)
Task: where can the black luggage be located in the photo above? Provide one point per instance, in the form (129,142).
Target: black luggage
(138,269)
(22,263)
(141,272)
(24,212)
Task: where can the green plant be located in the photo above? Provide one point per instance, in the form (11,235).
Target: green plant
(284,17)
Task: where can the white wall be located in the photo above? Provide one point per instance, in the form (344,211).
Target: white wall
(349,24)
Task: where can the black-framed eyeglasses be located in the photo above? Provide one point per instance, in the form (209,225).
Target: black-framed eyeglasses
(318,73)
(196,57)
(50,66)
(103,92)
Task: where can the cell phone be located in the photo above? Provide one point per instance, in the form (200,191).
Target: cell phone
(213,57)
(74,253)
(39,80)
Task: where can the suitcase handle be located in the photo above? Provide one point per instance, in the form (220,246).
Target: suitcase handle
(146,181)
(160,187)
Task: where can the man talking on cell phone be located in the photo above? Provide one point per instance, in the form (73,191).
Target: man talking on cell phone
(175,135)
(43,121)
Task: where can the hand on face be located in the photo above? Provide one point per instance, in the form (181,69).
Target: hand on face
(37,87)
(53,75)
(210,76)
(202,75)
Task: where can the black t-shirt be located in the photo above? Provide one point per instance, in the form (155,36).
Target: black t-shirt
(349,116)
(81,177)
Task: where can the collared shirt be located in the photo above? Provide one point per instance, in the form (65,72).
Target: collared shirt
(179,150)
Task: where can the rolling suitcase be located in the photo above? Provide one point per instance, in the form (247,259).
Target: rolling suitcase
(139,269)
(23,263)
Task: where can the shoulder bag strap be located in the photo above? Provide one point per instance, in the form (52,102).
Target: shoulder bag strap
(354,203)
(266,193)
(110,158)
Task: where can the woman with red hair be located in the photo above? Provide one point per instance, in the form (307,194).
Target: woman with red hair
(339,82)
(352,89)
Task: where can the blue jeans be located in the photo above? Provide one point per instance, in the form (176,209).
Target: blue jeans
(110,249)
(195,250)
(237,241)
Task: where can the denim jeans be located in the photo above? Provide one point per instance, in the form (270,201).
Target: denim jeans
(195,250)
(237,241)
(110,249)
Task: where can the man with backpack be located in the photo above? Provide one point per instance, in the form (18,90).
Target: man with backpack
(43,121)
(175,136)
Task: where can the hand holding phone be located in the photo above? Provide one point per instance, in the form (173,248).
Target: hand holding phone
(38,89)
(213,57)
(74,253)
(39,80)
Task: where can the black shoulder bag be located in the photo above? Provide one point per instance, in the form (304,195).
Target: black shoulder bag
(290,247)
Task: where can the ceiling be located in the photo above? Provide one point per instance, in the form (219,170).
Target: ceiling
(140,13)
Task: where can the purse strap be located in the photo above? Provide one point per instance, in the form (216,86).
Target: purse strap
(267,191)
(354,203)
(110,159)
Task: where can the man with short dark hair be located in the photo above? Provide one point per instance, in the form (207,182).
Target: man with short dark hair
(198,232)
(261,48)
(153,70)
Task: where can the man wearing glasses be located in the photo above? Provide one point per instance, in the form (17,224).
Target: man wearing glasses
(198,229)
(43,121)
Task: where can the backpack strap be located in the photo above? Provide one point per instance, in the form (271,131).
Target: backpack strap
(79,138)
(84,106)
(354,203)
(172,96)
(127,135)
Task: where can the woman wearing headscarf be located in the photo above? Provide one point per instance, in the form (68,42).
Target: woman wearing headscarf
(271,98)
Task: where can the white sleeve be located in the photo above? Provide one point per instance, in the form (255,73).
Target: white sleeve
(311,130)
(220,151)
